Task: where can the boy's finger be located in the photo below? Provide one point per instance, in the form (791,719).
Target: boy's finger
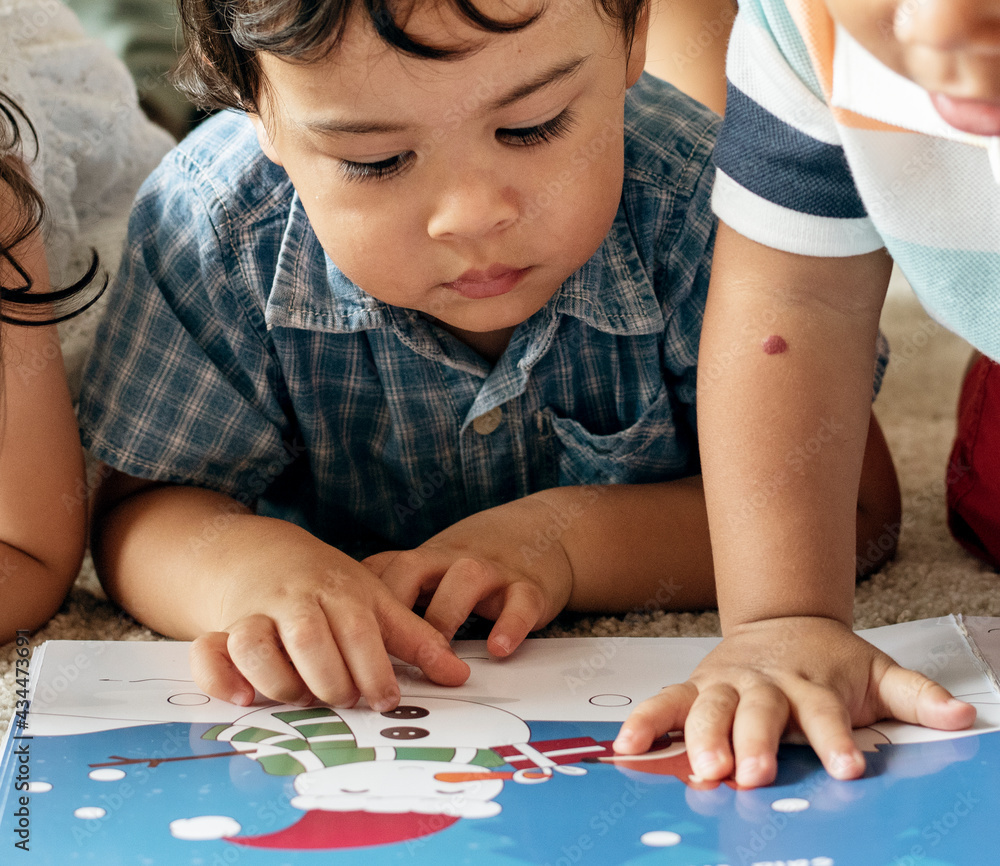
(410,572)
(357,640)
(911,697)
(416,642)
(214,672)
(317,658)
(465,583)
(825,721)
(378,562)
(654,717)
(708,730)
(254,647)
(523,607)
(761,718)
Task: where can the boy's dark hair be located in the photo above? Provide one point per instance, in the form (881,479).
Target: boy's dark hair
(219,67)
(18,304)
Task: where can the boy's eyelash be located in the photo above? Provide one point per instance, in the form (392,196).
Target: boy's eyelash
(540,134)
(381,170)
(517,136)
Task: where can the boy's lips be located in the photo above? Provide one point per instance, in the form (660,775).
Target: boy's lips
(495,280)
(976,116)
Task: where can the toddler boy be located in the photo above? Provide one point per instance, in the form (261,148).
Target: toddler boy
(421,327)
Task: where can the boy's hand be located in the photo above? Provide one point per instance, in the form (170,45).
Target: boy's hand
(805,673)
(318,633)
(490,563)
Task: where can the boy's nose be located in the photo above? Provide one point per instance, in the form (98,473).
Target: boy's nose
(949,24)
(472,205)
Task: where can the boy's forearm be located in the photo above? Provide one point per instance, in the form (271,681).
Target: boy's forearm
(782,433)
(167,554)
(632,546)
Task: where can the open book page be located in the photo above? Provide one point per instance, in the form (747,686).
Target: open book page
(123,760)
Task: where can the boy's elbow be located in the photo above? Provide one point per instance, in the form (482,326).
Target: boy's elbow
(37,588)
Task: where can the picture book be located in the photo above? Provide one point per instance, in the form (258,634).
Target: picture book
(120,759)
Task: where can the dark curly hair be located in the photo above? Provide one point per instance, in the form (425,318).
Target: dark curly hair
(18,304)
(219,67)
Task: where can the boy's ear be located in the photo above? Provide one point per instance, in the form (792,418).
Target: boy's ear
(637,55)
(264,138)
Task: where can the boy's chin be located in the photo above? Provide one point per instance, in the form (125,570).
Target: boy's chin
(975,116)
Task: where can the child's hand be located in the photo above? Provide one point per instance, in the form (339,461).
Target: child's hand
(321,632)
(805,673)
(490,563)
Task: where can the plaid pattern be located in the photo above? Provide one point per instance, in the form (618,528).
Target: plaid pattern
(236,356)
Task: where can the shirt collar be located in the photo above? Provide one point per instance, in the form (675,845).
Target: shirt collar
(611,292)
(864,85)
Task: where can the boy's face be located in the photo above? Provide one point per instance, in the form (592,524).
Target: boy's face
(466,189)
(951,48)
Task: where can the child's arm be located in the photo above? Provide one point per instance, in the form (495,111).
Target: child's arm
(270,606)
(783,529)
(42,504)
(595,548)
(611,548)
(686,45)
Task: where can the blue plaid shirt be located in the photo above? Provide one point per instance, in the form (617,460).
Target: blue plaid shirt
(236,356)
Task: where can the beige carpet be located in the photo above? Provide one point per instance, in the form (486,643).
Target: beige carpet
(931,575)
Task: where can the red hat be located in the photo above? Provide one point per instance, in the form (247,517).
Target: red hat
(322,830)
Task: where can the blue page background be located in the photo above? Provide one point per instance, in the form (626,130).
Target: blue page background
(932,804)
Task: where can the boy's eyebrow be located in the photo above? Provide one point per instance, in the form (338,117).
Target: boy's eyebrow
(364,127)
(544,79)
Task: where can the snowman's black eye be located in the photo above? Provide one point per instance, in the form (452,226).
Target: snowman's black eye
(406,712)
(404,733)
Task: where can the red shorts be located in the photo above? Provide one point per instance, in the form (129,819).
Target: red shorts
(973,480)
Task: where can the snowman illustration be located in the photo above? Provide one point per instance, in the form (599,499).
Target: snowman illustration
(363,778)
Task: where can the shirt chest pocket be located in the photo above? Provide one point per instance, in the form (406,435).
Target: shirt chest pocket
(658,446)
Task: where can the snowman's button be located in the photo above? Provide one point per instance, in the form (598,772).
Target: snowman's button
(405,733)
(406,712)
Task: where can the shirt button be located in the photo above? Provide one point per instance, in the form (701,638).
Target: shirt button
(488,422)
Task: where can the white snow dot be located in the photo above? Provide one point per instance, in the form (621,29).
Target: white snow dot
(660,839)
(790,804)
(106,774)
(39,787)
(204,827)
(87,813)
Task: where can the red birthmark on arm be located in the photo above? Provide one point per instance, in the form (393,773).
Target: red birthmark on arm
(774,345)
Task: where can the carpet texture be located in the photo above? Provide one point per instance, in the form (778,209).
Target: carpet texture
(931,575)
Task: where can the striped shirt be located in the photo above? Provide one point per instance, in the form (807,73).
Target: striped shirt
(236,356)
(827,152)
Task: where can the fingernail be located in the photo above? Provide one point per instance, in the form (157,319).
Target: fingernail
(242,697)
(845,764)
(303,701)
(384,704)
(705,763)
(624,742)
(747,767)
(503,643)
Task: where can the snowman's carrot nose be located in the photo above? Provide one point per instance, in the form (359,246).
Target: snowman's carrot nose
(527,776)
(472,777)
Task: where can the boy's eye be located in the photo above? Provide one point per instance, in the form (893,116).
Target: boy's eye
(381,170)
(523,136)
